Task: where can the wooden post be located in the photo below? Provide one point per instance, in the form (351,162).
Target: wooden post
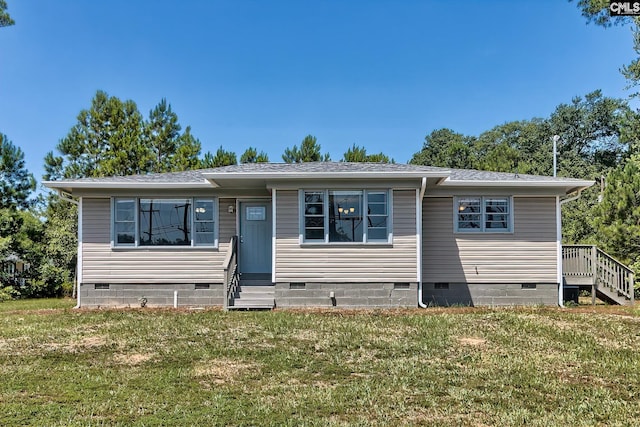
(632,284)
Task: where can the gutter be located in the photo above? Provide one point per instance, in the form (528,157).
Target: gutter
(560,276)
(423,188)
(324,175)
(66,196)
(59,185)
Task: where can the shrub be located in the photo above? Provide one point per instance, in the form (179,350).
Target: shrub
(7,293)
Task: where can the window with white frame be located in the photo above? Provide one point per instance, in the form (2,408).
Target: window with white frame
(204,222)
(314,216)
(483,214)
(124,221)
(164,222)
(345,216)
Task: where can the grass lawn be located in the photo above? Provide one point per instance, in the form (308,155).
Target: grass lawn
(458,366)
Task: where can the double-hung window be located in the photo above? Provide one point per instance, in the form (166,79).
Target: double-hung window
(204,222)
(345,216)
(164,222)
(314,216)
(483,214)
(124,224)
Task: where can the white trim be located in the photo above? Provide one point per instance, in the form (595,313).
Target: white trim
(483,230)
(559,183)
(300,216)
(273,235)
(133,185)
(559,252)
(112,223)
(323,175)
(418,239)
(136,215)
(419,199)
(364,193)
(215,201)
(79,265)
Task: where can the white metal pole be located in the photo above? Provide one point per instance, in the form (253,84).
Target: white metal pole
(555,138)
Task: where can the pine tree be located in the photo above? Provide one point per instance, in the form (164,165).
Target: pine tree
(251,155)
(309,151)
(16,183)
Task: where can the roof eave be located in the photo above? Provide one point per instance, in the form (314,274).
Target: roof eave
(125,185)
(221,176)
(569,186)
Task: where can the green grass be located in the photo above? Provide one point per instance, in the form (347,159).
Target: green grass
(37,304)
(537,366)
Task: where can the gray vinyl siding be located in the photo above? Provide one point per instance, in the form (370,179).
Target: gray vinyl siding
(346,263)
(103,264)
(528,255)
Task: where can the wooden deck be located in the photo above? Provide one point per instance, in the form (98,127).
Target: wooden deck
(587,266)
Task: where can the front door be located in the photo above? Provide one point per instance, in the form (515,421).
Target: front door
(255,237)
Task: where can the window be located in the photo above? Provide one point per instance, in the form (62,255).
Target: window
(256,213)
(204,223)
(483,214)
(124,222)
(313,216)
(164,222)
(345,216)
(377,216)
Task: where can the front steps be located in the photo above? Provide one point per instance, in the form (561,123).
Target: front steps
(588,267)
(254,292)
(613,297)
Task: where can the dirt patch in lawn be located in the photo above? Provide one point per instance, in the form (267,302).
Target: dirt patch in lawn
(472,341)
(134,359)
(221,371)
(78,346)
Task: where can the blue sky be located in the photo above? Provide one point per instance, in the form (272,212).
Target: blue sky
(379,73)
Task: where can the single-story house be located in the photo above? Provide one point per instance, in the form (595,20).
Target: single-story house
(320,234)
(13,271)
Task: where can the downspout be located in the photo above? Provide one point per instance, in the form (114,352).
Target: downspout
(273,234)
(68,198)
(559,274)
(423,188)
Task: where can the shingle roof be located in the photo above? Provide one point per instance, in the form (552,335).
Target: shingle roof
(197,176)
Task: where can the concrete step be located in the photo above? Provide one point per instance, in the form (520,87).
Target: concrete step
(247,303)
(255,293)
(255,290)
(263,283)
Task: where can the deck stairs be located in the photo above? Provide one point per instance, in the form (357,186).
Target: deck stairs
(254,292)
(588,267)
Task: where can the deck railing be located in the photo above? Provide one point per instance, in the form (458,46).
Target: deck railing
(230,273)
(587,261)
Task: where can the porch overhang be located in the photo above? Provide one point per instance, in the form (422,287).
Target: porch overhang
(284,179)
